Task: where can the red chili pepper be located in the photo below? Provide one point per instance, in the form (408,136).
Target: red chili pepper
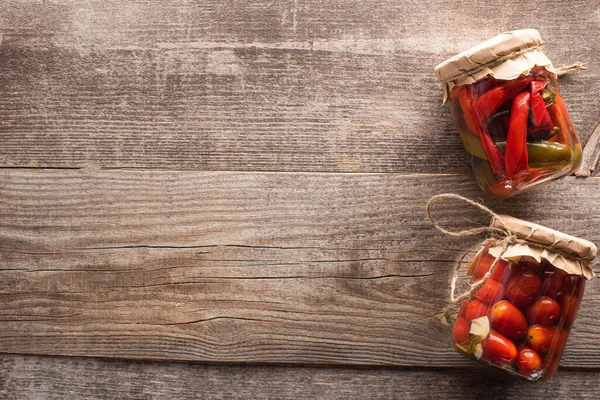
(489,102)
(539,113)
(560,117)
(516,140)
(492,153)
(542,126)
(541,122)
(537,86)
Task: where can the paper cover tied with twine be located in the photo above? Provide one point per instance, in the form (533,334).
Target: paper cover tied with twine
(511,239)
(565,252)
(505,56)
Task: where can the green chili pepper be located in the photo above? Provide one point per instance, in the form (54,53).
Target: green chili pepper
(546,153)
(472,144)
(540,153)
(484,175)
(489,182)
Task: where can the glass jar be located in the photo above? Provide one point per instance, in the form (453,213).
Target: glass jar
(509,112)
(520,318)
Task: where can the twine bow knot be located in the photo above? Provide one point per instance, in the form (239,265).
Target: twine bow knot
(503,237)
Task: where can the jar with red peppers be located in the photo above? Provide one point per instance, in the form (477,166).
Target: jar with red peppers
(510,115)
(519,319)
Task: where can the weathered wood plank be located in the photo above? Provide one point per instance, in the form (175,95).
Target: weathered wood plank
(591,154)
(23,377)
(286,86)
(249,267)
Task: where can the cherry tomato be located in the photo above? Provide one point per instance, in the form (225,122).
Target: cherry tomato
(544,311)
(539,337)
(569,305)
(554,282)
(529,362)
(501,272)
(574,283)
(560,344)
(523,288)
(532,265)
(460,331)
(490,292)
(498,349)
(463,308)
(475,309)
(508,320)
(553,357)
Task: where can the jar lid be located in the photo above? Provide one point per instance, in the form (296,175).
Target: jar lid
(569,253)
(505,56)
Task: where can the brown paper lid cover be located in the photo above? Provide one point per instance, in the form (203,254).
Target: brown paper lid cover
(506,56)
(566,252)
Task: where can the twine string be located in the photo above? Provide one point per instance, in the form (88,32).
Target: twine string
(499,237)
(565,69)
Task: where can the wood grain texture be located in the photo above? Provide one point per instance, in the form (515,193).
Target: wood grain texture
(286,86)
(250,267)
(23,377)
(275,268)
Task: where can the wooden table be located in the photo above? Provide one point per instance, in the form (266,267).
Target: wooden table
(226,199)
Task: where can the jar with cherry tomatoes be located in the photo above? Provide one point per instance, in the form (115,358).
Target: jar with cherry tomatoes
(519,319)
(509,112)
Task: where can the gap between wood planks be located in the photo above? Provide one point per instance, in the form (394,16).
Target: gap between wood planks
(236,171)
(590,160)
(591,154)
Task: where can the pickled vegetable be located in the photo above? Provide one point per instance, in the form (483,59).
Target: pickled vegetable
(544,311)
(501,271)
(460,331)
(498,349)
(508,320)
(532,265)
(475,309)
(518,131)
(490,292)
(540,337)
(524,288)
(569,304)
(554,283)
(530,308)
(529,362)
(541,153)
